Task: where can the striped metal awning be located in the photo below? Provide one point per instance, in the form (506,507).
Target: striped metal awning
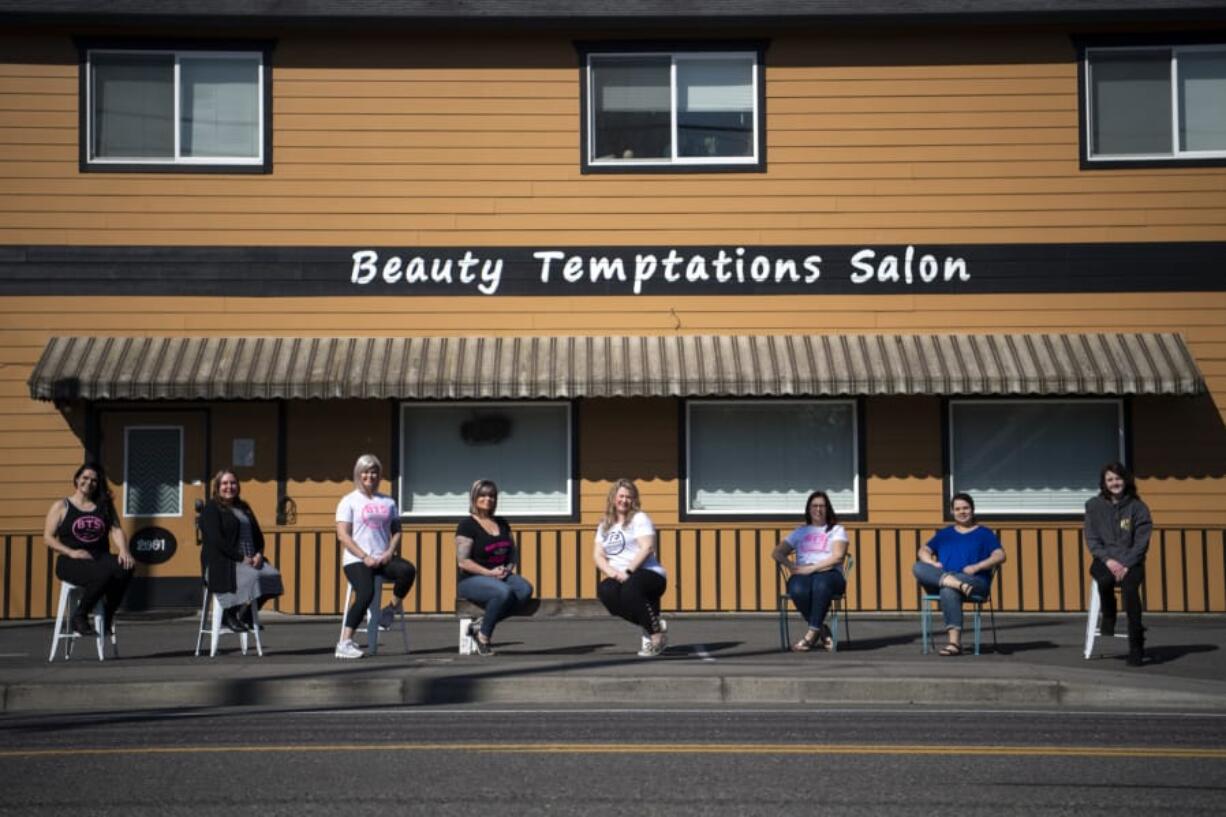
(260,368)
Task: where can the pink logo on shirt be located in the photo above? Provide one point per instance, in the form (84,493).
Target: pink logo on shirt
(813,545)
(88,529)
(375,514)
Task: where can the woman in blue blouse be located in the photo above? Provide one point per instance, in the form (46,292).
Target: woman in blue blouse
(958,563)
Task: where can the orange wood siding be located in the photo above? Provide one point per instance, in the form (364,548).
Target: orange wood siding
(872,135)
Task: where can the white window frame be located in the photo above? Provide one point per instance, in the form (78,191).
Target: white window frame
(1176,153)
(569,411)
(857,485)
(127,448)
(177,159)
(1121,433)
(674,160)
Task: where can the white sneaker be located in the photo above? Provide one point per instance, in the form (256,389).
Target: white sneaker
(645,643)
(348,649)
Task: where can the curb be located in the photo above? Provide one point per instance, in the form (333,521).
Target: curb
(585,690)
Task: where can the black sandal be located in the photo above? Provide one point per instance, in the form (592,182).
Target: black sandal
(808,642)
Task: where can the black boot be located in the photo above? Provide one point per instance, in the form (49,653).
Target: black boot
(1136,657)
(80,624)
(230,619)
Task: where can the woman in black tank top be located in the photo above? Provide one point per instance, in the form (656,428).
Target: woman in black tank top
(81,528)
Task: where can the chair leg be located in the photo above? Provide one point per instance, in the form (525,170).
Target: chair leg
(404,630)
(99,617)
(255,629)
(215,634)
(372,619)
(204,611)
(978,610)
(61,607)
(345,607)
(925,622)
(785,635)
(466,640)
(1092,619)
(992,615)
(846,622)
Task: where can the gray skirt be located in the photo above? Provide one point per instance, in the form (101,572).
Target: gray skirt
(252,584)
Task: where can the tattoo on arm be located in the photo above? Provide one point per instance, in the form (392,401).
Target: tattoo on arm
(463,548)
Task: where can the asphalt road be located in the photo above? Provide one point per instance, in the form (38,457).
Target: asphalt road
(726,761)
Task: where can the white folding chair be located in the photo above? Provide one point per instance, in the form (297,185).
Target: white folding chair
(372,617)
(1093,630)
(63,625)
(215,629)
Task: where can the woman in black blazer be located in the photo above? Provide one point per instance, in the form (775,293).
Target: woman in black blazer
(233,554)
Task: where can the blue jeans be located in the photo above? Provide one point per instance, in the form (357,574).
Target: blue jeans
(813,593)
(498,597)
(951,599)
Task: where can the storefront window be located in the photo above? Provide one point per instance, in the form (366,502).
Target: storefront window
(765,457)
(524,447)
(1033,456)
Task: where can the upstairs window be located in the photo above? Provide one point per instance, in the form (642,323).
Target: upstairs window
(149,109)
(1149,104)
(663,110)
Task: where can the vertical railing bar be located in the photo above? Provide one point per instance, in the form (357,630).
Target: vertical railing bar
(577,547)
(1039,550)
(1060,567)
(1081,568)
(418,605)
(1183,555)
(50,576)
(877,552)
(1204,565)
(1166,592)
(898,568)
(557,556)
(757,569)
(719,568)
(8,575)
(1021,578)
(29,575)
(319,575)
(297,572)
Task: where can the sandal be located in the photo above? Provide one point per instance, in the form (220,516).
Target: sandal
(808,642)
(950,650)
(826,640)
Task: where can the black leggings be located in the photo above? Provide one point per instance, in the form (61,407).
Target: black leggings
(1130,589)
(637,599)
(363,580)
(101,577)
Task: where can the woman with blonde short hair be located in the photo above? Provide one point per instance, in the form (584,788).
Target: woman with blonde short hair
(368,529)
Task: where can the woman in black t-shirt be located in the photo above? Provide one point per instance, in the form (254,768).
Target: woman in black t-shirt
(81,528)
(486,555)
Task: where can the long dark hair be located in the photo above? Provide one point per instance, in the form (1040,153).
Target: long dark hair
(1121,471)
(101,497)
(832,518)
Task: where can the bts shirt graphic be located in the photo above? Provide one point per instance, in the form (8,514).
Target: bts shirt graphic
(372,520)
(814,543)
(88,529)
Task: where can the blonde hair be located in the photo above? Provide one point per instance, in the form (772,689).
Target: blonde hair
(475,491)
(364,463)
(610,510)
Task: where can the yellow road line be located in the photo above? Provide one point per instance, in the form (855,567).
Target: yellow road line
(656,748)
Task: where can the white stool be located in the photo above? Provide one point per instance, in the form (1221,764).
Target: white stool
(466,640)
(63,625)
(215,629)
(372,617)
(1092,624)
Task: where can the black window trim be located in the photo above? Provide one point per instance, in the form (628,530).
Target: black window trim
(263,47)
(1083,44)
(586,49)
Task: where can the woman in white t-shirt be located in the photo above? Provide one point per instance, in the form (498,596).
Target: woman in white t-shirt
(368,529)
(813,557)
(625,554)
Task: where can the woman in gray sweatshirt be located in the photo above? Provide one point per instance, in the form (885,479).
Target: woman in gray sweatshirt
(1117,529)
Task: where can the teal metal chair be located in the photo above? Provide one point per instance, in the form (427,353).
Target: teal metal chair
(837,610)
(927,600)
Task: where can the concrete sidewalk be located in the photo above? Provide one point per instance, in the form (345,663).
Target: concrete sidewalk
(727,659)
